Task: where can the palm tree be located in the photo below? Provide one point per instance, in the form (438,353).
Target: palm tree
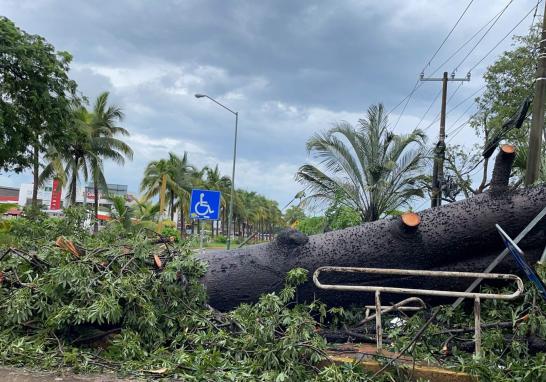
(93,141)
(293,214)
(179,176)
(74,154)
(369,168)
(146,210)
(121,213)
(104,144)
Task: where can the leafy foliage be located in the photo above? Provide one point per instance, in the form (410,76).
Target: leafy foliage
(109,306)
(35,96)
(367,168)
(104,303)
(339,216)
(506,355)
(293,215)
(312,225)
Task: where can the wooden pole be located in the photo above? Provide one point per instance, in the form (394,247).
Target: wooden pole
(537,124)
(439,151)
(438,169)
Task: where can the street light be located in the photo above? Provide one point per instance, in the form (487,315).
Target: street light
(230,213)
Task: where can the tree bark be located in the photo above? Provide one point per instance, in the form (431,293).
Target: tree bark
(96,206)
(182,224)
(74,181)
(460,236)
(171,207)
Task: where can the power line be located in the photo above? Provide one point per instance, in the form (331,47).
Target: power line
(449,34)
(465,44)
(417,86)
(408,97)
(454,92)
(459,128)
(483,36)
(428,109)
(534,15)
(447,113)
(502,39)
(466,99)
(464,114)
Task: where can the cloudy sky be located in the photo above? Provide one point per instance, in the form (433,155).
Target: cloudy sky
(290,68)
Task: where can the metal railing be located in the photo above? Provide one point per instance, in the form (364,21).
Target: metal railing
(401,306)
(422,292)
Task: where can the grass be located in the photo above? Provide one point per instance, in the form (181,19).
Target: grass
(214,244)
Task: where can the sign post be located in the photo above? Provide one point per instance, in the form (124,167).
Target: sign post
(204,205)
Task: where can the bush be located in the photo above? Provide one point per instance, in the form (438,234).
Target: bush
(170,231)
(221,239)
(5,225)
(312,225)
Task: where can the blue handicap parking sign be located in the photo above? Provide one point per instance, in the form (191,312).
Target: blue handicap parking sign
(205,205)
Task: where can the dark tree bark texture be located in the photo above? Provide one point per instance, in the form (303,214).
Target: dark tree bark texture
(460,236)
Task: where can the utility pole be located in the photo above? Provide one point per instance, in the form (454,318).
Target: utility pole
(537,123)
(440,150)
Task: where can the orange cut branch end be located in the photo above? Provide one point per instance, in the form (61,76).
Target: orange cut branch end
(508,149)
(411,219)
(157,262)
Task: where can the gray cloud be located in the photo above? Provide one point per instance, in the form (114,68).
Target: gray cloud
(290,68)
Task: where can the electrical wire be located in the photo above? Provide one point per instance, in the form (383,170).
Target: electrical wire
(465,43)
(408,97)
(459,128)
(534,16)
(448,35)
(417,86)
(452,129)
(466,99)
(502,39)
(454,132)
(410,94)
(483,36)
(428,109)
(439,113)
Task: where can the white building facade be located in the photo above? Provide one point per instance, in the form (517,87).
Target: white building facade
(53,197)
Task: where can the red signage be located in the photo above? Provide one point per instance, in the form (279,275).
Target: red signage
(91,195)
(56,196)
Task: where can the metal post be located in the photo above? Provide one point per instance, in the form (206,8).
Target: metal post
(477,327)
(230,216)
(378,327)
(230,213)
(537,122)
(201,250)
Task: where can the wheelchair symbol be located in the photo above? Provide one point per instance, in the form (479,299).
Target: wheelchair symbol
(202,207)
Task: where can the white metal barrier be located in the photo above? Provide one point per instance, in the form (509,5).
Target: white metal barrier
(422,292)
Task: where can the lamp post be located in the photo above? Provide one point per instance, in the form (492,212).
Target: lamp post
(230,213)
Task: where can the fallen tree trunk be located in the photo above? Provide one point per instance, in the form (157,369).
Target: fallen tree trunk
(460,237)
